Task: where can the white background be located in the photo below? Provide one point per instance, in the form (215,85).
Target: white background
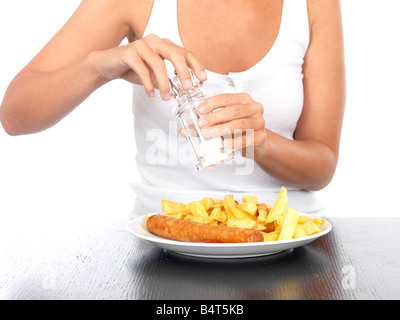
(77,174)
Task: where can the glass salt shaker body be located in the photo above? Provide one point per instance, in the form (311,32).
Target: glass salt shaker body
(209,152)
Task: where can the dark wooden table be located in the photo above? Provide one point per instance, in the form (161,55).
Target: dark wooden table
(359,259)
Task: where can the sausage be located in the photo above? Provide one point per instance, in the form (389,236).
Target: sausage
(189,231)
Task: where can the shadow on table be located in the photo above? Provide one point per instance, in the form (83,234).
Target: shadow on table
(293,274)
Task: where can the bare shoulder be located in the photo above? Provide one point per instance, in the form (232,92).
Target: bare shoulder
(137,15)
(95,25)
(324,14)
(132,13)
(326,31)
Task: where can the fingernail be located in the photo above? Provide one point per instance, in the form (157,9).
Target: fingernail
(202,109)
(187,84)
(167,96)
(182,132)
(151,94)
(203,122)
(203,75)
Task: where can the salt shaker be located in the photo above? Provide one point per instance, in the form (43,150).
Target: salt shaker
(208,151)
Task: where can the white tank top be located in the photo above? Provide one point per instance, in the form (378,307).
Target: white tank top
(164,159)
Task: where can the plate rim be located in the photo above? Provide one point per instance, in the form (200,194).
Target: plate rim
(154,238)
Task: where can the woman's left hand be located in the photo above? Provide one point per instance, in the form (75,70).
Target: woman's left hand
(239,119)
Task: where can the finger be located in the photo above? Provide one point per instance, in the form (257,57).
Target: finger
(137,65)
(224,100)
(157,65)
(175,54)
(234,126)
(181,59)
(177,58)
(250,143)
(194,64)
(244,142)
(182,132)
(240,140)
(190,130)
(168,50)
(227,114)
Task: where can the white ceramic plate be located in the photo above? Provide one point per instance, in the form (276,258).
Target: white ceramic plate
(137,227)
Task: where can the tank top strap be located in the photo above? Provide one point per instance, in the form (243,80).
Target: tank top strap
(294,24)
(163,21)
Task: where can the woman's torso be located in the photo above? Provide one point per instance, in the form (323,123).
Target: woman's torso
(257,47)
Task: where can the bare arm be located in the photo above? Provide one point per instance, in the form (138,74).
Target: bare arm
(310,160)
(84,55)
(60,77)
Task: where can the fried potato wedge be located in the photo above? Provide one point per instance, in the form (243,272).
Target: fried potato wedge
(279,206)
(276,222)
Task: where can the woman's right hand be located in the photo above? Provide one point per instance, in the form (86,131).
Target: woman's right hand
(84,55)
(142,62)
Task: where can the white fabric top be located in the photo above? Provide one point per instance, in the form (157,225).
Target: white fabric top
(164,159)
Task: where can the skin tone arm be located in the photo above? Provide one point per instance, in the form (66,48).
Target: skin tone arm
(309,161)
(84,55)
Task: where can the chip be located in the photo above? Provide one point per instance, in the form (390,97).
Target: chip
(279,206)
(275,222)
(289,224)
